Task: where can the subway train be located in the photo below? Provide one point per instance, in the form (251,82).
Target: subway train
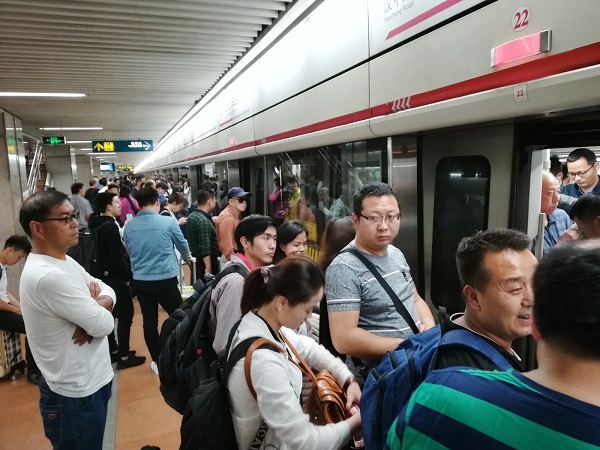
(456,104)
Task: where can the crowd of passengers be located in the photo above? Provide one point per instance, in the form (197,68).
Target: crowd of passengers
(466,401)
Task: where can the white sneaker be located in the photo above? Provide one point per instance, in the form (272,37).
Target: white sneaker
(154,367)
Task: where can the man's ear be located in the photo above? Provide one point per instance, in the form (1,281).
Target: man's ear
(472,297)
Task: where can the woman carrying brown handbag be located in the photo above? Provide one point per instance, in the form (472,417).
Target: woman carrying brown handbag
(276,300)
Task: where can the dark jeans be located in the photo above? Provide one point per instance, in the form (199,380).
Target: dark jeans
(74,423)
(11,321)
(201,267)
(123,312)
(150,294)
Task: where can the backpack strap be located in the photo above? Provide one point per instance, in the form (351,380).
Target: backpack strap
(466,338)
(384,284)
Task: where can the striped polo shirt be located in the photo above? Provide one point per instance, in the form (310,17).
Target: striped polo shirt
(475,409)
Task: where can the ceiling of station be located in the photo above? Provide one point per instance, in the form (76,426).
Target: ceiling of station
(142,63)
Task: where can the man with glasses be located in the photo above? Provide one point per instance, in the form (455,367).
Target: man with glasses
(67,318)
(582,169)
(228,220)
(363,320)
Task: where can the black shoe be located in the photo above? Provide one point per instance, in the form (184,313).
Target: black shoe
(131,361)
(34,378)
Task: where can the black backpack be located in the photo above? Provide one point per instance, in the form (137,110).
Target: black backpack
(87,252)
(185,343)
(207,423)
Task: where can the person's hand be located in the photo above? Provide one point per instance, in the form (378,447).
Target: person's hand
(18,310)
(208,277)
(352,395)
(80,337)
(94,290)
(182,221)
(426,326)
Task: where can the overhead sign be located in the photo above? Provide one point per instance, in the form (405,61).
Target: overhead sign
(53,140)
(125,168)
(121,146)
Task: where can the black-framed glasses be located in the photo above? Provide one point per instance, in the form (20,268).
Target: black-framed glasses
(574,174)
(67,219)
(390,218)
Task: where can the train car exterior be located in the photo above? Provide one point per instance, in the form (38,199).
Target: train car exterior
(450,101)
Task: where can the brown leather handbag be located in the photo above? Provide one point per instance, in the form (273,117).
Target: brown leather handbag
(327,401)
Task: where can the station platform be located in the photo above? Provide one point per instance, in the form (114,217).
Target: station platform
(138,415)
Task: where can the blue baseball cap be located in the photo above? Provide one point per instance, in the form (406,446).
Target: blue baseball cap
(237,192)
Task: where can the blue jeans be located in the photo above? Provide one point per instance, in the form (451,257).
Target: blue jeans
(74,423)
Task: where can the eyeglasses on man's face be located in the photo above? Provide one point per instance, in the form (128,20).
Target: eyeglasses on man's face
(580,174)
(241,200)
(67,219)
(390,218)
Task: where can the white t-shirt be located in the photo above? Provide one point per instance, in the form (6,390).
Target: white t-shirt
(55,299)
(4,284)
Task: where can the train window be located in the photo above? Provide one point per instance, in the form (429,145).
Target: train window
(316,185)
(462,187)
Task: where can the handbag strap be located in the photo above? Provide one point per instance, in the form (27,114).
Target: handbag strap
(305,368)
(248,361)
(384,284)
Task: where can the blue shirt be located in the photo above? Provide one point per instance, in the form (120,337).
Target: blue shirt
(575,191)
(558,223)
(149,239)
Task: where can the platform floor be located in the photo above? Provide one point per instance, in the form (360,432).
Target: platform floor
(142,416)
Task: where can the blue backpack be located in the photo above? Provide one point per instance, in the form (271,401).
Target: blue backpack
(389,387)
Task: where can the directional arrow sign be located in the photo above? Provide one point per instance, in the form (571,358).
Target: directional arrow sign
(144,145)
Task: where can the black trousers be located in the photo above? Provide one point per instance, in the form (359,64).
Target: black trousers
(123,312)
(201,267)
(11,321)
(150,294)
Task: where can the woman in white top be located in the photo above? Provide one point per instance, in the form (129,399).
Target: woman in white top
(276,300)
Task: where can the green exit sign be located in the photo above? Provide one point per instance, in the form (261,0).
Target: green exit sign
(53,140)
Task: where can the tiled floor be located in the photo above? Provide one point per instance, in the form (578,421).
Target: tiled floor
(143,418)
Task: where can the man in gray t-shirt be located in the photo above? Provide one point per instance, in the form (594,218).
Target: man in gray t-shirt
(363,320)
(80,204)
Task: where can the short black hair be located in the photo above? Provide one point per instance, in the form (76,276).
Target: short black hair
(555,165)
(124,191)
(138,176)
(471,251)
(147,196)
(162,185)
(204,195)
(176,198)
(579,153)
(373,189)
(586,208)
(76,187)
(113,186)
(18,242)
(286,233)
(103,200)
(566,288)
(250,227)
(38,207)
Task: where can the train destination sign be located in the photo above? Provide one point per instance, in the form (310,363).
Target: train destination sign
(53,140)
(122,146)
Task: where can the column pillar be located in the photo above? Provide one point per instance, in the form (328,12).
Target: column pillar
(60,166)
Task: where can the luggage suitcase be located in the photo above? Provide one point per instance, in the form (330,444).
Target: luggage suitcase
(11,360)
(187,291)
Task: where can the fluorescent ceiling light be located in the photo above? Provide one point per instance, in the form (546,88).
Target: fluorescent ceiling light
(85,149)
(70,128)
(78,142)
(40,94)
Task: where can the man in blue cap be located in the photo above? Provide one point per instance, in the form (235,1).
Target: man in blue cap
(229,219)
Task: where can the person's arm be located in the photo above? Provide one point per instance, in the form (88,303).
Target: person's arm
(225,237)
(66,299)
(88,209)
(13,304)
(179,241)
(203,234)
(349,339)
(427,320)
(115,255)
(280,408)
(227,310)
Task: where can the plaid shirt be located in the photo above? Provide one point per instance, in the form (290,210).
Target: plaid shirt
(201,235)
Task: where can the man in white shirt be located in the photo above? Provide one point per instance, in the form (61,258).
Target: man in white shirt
(15,248)
(67,316)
